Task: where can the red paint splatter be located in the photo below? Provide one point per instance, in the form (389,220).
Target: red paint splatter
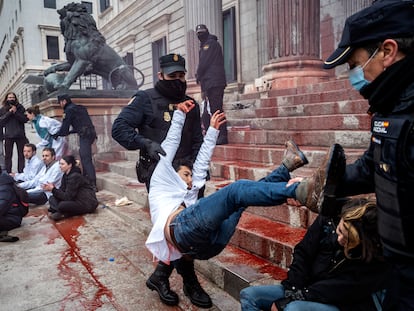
(79,284)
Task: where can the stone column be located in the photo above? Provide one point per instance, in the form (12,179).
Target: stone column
(293,41)
(200,12)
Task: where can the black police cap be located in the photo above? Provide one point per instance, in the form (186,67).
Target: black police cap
(62,97)
(383,19)
(201,28)
(171,63)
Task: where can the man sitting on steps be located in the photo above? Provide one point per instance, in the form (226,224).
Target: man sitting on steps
(201,229)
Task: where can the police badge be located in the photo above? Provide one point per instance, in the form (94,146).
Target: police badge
(167,116)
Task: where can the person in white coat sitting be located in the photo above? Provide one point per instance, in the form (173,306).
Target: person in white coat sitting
(45,128)
(32,166)
(50,173)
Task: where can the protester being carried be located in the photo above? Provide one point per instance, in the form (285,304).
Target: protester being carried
(201,229)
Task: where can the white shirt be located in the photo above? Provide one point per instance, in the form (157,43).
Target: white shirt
(168,190)
(31,169)
(51,174)
(53,126)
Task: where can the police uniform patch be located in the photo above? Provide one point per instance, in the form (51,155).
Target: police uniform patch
(206,47)
(167,116)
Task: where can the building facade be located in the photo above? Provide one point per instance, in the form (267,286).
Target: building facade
(266,43)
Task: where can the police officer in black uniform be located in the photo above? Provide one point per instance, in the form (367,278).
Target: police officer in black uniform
(211,75)
(77,116)
(378,45)
(150,112)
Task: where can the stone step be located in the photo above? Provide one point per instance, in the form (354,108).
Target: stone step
(314,138)
(264,109)
(306,123)
(268,156)
(234,268)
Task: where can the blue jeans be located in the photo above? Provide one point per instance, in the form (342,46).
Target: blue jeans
(256,298)
(203,229)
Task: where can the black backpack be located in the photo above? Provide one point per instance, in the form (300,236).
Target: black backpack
(22,199)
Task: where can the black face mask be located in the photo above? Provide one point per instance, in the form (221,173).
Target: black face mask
(202,36)
(174,89)
(11,102)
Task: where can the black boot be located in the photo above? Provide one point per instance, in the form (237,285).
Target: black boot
(191,286)
(159,281)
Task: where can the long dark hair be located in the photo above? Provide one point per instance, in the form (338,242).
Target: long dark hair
(69,159)
(5,98)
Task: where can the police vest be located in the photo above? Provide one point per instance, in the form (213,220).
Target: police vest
(392,138)
(157,127)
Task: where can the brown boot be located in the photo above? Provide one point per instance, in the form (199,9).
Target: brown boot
(313,191)
(293,157)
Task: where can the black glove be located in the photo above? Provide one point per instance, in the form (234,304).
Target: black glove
(295,294)
(54,136)
(153,149)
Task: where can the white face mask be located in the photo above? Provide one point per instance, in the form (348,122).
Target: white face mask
(356,74)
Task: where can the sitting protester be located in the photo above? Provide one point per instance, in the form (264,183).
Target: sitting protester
(76,195)
(33,164)
(335,267)
(50,173)
(12,209)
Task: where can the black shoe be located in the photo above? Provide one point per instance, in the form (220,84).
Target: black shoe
(159,281)
(197,295)
(56,216)
(318,191)
(191,286)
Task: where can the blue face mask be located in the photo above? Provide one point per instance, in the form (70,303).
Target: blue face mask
(357,79)
(356,75)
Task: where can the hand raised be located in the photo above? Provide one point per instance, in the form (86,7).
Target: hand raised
(186,106)
(217,119)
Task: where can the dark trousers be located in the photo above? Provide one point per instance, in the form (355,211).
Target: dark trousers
(85,154)
(400,291)
(215,98)
(8,153)
(37,198)
(9,222)
(68,208)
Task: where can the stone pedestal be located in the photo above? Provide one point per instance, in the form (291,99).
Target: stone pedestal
(103,112)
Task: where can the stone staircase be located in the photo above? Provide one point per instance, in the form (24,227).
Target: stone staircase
(315,116)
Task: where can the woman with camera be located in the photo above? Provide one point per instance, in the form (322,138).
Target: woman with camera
(12,119)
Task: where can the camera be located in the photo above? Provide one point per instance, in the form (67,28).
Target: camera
(11,102)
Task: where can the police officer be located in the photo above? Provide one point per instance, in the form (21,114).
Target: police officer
(77,116)
(150,111)
(211,75)
(378,45)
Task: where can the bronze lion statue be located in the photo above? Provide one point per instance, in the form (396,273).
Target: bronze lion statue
(87,53)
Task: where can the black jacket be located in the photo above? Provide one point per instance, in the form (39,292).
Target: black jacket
(13,123)
(75,187)
(394,173)
(11,213)
(151,114)
(323,273)
(210,71)
(76,116)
